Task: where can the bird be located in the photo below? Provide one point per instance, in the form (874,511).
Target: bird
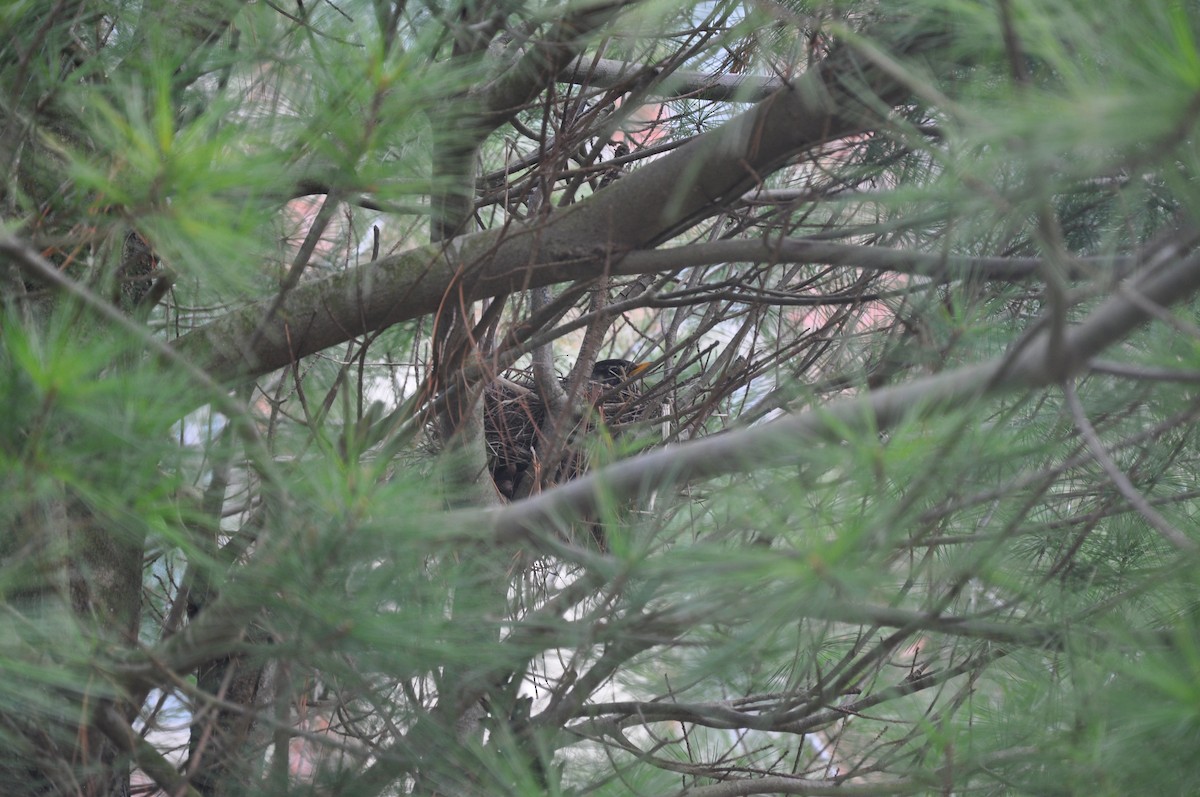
(609,403)
(614,373)
(516,430)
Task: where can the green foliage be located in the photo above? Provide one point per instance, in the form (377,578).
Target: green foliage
(313,565)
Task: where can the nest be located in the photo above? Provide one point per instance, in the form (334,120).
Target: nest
(513,416)
(514,423)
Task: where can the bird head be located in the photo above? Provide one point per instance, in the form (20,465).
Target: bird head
(613,373)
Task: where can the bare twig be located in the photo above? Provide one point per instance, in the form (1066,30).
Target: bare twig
(1127,489)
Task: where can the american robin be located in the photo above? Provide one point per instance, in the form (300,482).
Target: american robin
(614,373)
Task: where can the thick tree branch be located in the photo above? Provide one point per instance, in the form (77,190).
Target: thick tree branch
(583,241)
(544,60)
(606,73)
(873,258)
(147,758)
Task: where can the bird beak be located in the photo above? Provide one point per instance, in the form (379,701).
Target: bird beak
(639,369)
